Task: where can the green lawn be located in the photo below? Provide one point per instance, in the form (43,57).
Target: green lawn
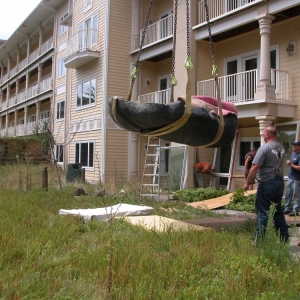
(48,256)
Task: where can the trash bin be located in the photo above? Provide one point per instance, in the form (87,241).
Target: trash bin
(73,172)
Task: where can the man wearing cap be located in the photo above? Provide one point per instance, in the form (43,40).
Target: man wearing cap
(292,189)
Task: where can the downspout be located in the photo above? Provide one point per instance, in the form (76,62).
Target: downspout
(104,93)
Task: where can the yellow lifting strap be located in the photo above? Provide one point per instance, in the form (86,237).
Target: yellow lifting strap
(188,107)
(221,119)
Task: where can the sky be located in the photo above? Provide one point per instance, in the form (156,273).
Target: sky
(13,13)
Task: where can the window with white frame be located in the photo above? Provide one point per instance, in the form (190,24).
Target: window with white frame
(60,110)
(32,118)
(87,33)
(61,70)
(62,29)
(246,145)
(86,93)
(59,153)
(84,153)
(45,114)
(88,4)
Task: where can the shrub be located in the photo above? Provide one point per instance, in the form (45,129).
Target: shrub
(241,202)
(199,194)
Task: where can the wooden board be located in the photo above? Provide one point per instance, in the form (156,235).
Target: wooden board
(216,202)
(159,223)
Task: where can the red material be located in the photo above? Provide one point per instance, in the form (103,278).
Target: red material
(204,167)
(227,107)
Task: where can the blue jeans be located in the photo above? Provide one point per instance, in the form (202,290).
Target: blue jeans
(292,190)
(269,192)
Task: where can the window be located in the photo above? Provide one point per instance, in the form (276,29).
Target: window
(45,114)
(60,110)
(59,153)
(286,134)
(61,71)
(246,145)
(87,5)
(84,154)
(62,29)
(87,33)
(32,118)
(86,93)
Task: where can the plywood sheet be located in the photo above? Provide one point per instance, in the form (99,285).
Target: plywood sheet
(159,223)
(216,202)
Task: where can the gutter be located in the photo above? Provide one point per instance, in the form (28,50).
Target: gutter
(104,92)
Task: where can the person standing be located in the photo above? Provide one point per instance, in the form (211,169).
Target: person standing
(248,163)
(268,166)
(292,189)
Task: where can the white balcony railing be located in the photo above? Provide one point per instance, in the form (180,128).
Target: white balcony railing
(34,55)
(21,97)
(4,78)
(45,85)
(47,46)
(10,131)
(158,31)
(22,64)
(32,91)
(2,132)
(241,87)
(12,101)
(83,40)
(13,71)
(161,97)
(4,105)
(217,8)
(20,130)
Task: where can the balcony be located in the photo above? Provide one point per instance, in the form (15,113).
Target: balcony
(222,8)
(81,48)
(161,97)
(158,31)
(241,87)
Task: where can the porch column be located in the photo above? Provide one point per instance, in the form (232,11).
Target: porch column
(6,124)
(136,24)
(18,58)
(7,95)
(40,67)
(38,108)
(28,49)
(17,91)
(265,90)
(264,122)
(1,73)
(0,125)
(40,39)
(8,66)
(27,85)
(16,119)
(25,119)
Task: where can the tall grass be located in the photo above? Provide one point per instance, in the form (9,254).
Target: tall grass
(48,256)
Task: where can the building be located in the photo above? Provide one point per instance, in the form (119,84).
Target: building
(68,57)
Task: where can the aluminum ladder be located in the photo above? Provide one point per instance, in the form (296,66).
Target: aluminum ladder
(150,186)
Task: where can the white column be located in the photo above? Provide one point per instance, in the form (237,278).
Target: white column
(264,122)
(25,119)
(136,24)
(38,108)
(17,91)
(8,66)
(28,49)
(40,67)
(6,124)
(16,119)
(40,39)
(27,84)
(7,95)
(18,58)
(265,90)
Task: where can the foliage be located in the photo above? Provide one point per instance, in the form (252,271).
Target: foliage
(199,194)
(241,202)
(45,134)
(45,255)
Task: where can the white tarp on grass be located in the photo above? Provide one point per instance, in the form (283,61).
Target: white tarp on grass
(106,213)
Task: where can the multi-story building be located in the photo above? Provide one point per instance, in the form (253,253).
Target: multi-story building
(68,57)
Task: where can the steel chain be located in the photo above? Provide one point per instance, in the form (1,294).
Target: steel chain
(209,33)
(188,27)
(174,38)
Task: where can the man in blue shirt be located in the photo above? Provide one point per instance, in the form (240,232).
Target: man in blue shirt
(293,185)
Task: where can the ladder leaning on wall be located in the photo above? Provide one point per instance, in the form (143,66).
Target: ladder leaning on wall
(151,180)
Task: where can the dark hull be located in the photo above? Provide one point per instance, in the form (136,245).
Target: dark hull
(199,130)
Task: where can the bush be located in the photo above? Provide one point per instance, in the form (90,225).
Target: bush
(199,194)
(240,202)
